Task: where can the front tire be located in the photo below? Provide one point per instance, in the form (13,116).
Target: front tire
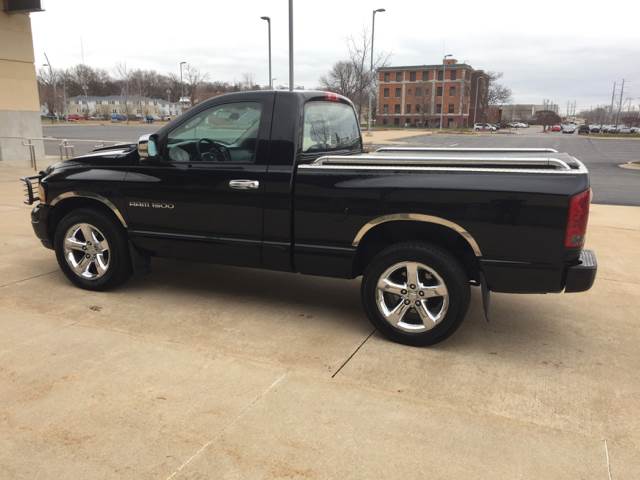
(415,293)
(92,250)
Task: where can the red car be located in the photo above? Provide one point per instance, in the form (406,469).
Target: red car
(556,128)
(73,117)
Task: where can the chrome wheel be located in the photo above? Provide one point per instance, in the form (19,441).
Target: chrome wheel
(86,251)
(412,297)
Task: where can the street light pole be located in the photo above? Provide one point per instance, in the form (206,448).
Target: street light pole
(444,85)
(291,45)
(53,80)
(268,20)
(373,29)
(181,82)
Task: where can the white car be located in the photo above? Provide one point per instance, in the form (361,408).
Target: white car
(568,128)
(486,127)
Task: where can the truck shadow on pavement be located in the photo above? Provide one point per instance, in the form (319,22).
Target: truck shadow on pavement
(513,319)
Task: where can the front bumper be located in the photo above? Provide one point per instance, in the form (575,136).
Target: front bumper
(40,223)
(580,277)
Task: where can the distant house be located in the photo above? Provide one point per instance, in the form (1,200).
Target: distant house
(134,105)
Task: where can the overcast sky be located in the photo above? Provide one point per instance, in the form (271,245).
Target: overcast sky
(559,50)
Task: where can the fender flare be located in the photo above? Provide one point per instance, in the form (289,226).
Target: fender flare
(93,196)
(418,217)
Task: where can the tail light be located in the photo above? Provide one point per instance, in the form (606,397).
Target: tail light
(331,97)
(577,219)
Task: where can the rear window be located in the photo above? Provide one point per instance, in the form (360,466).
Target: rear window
(329,126)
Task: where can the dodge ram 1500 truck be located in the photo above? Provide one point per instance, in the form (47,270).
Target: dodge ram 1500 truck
(279,180)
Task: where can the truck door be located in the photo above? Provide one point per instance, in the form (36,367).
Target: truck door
(202,197)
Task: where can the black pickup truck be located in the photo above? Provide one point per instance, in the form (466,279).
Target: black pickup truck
(279,180)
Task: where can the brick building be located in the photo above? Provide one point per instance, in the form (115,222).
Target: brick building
(416,95)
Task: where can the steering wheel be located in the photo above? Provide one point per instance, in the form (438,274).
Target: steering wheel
(219,151)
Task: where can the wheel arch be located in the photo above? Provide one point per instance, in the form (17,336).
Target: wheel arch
(390,229)
(69,201)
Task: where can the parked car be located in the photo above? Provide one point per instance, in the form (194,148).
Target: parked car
(481,127)
(583,130)
(73,117)
(556,128)
(118,117)
(420,225)
(594,128)
(519,125)
(568,128)
(635,130)
(626,130)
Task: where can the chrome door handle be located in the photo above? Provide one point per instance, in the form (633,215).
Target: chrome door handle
(244,184)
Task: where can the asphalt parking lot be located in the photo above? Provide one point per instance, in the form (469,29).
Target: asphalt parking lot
(611,184)
(199,371)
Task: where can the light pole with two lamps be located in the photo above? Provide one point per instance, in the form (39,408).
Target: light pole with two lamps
(444,86)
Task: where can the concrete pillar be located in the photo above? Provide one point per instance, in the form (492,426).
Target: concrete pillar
(19,102)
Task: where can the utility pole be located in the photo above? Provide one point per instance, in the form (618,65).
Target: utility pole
(291,45)
(620,104)
(613,94)
(373,29)
(475,107)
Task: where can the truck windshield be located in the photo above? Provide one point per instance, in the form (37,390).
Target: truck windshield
(329,126)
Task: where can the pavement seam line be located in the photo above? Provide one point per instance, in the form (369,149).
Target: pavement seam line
(353,354)
(606,451)
(240,415)
(28,278)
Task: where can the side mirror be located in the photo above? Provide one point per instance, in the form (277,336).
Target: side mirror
(147,147)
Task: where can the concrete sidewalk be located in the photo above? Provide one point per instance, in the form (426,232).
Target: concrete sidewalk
(201,371)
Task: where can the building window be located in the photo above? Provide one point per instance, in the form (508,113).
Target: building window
(398,76)
(418,92)
(396,121)
(384,121)
(386,92)
(412,76)
(386,76)
(438,108)
(452,91)
(439,92)
(452,108)
(385,108)
(398,92)
(396,109)
(417,108)
(425,75)
(440,74)
(453,74)
(408,109)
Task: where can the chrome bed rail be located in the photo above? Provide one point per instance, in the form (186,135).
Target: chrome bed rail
(507,160)
(467,149)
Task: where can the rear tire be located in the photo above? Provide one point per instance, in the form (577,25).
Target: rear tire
(92,250)
(415,293)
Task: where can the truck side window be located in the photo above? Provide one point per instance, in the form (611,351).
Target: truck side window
(329,126)
(224,133)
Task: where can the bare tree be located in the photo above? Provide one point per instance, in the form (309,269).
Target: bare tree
(547,118)
(352,77)
(498,94)
(46,80)
(193,80)
(125,77)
